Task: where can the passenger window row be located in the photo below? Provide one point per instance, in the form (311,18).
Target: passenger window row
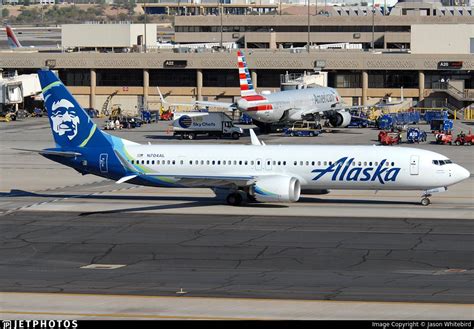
(259,163)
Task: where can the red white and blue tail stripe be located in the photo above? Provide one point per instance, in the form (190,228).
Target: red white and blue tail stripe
(12,40)
(246,85)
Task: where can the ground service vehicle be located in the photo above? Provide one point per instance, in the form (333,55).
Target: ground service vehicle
(303,129)
(441,125)
(390,138)
(358,122)
(416,135)
(462,139)
(190,124)
(444,138)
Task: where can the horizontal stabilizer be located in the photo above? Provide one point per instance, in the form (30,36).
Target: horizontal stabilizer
(66,154)
(125,179)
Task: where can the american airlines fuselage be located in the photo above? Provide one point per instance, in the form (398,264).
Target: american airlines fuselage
(289,105)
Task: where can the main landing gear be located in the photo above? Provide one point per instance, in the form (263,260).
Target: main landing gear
(235,199)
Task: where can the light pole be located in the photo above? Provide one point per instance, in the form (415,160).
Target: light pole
(309,27)
(144,32)
(222,14)
(373,25)
(144,41)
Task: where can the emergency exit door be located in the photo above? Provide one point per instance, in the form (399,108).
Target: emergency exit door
(414,165)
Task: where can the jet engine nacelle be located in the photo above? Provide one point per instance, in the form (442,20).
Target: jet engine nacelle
(276,188)
(340,119)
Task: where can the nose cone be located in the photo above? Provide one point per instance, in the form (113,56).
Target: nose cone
(463,173)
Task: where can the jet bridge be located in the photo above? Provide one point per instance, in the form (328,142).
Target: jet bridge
(15,88)
(291,81)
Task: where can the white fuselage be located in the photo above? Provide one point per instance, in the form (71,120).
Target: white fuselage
(325,167)
(290,105)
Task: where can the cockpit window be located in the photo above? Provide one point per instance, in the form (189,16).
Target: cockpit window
(441,162)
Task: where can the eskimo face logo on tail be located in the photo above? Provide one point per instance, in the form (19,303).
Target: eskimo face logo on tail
(344,170)
(65,118)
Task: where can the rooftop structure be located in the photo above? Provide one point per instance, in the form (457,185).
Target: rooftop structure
(108,36)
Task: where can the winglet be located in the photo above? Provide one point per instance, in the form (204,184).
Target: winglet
(254,138)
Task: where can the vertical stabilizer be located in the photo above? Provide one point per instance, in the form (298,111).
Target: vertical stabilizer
(12,39)
(71,125)
(246,85)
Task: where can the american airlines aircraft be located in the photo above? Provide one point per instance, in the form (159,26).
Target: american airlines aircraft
(12,40)
(289,105)
(282,106)
(266,173)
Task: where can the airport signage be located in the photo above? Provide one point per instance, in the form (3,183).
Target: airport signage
(449,65)
(320,63)
(174,63)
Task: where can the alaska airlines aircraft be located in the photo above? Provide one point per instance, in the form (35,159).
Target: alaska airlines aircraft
(282,106)
(259,172)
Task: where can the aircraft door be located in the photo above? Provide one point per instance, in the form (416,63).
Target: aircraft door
(268,164)
(103,163)
(258,164)
(414,165)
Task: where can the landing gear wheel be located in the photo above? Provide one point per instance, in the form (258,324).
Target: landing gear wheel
(234,199)
(425,202)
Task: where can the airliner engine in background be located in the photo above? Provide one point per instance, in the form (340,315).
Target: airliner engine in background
(283,106)
(266,173)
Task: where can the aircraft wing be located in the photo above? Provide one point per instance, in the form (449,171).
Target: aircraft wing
(188,180)
(335,107)
(208,181)
(228,106)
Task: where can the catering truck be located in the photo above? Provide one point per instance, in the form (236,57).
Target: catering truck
(218,124)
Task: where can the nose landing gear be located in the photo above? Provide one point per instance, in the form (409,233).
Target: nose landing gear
(425,201)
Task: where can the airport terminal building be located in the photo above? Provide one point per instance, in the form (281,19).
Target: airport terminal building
(425,53)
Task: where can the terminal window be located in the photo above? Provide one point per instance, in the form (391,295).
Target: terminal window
(75,77)
(122,77)
(173,77)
